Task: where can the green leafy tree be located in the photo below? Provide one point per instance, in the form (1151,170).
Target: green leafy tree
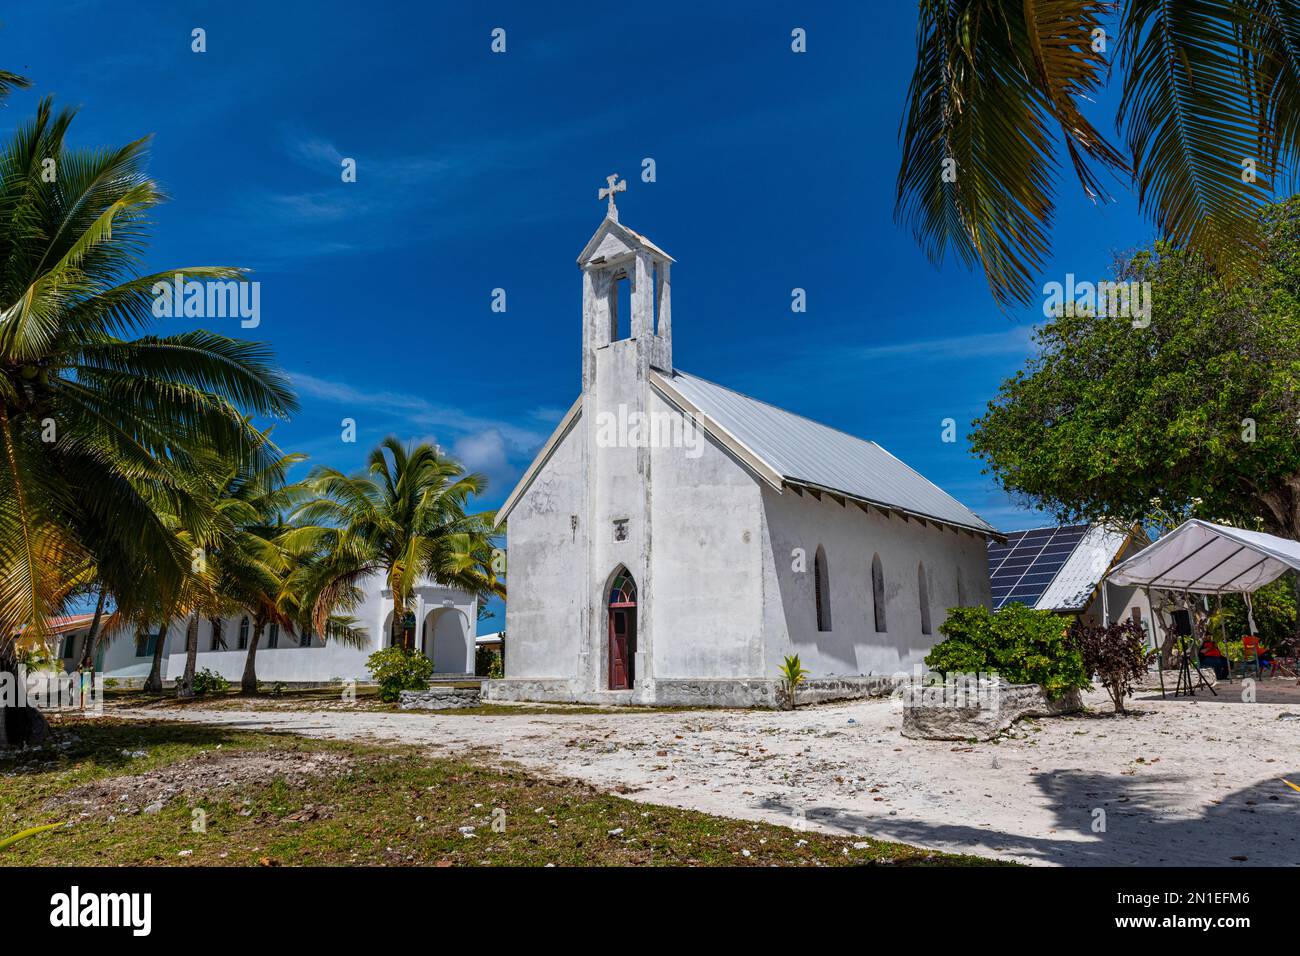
(1198,411)
(1274,607)
(997,97)
(99,432)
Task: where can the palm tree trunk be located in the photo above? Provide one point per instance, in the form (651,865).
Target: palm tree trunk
(185,686)
(92,636)
(248,684)
(399,619)
(154,684)
(20,726)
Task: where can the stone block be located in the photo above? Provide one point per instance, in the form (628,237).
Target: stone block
(960,711)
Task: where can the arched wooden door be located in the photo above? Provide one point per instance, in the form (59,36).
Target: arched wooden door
(622,631)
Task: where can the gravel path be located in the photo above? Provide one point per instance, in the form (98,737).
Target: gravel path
(1186,783)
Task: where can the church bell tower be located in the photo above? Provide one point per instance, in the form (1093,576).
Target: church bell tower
(617,260)
(626,331)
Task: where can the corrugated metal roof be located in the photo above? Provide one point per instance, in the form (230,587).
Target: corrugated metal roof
(806,452)
(1075,583)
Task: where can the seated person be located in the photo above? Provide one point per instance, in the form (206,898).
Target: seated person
(1212,657)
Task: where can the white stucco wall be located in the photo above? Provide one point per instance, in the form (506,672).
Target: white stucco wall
(850,538)
(707,563)
(546,566)
(453,625)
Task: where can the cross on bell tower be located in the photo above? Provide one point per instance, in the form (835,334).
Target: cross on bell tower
(618,259)
(615,185)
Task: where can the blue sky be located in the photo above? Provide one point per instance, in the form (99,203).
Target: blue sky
(478,171)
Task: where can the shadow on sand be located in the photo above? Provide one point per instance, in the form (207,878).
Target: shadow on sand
(1260,823)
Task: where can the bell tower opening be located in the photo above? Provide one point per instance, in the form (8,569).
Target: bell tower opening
(620,303)
(626,292)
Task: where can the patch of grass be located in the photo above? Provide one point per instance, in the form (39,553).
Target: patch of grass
(367,699)
(379,806)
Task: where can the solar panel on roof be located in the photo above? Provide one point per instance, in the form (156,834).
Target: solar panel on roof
(1023,568)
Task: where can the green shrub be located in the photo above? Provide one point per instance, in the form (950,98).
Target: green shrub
(209,682)
(396,669)
(1020,644)
(487,663)
(954,657)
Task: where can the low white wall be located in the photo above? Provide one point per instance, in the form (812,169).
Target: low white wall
(451,615)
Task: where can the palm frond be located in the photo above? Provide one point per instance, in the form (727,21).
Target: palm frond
(1190,122)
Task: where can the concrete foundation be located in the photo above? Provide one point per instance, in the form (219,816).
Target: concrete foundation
(755,692)
(439,698)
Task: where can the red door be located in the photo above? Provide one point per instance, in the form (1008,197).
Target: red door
(618,669)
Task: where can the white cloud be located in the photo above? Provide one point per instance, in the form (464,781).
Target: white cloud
(483,451)
(418,413)
(1013,341)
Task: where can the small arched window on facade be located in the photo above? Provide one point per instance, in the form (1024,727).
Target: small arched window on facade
(243,634)
(878,593)
(822,589)
(923,595)
(218,638)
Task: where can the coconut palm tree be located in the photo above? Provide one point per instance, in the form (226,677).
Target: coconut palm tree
(99,433)
(282,587)
(404,517)
(239,558)
(1209,113)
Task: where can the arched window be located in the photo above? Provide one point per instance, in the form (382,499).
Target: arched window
(243,634)
(822,587)
(218,637)
(878,593)
(923,595)
(622,593)
(273,637)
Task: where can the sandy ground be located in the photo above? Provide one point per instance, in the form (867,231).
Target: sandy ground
(1189,782)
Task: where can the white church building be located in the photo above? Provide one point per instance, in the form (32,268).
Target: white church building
(674,540)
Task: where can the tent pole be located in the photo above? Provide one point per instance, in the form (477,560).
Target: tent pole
(1155,633)
(1250,616)
(1105,602)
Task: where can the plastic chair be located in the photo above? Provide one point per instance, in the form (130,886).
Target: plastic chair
(1253,653)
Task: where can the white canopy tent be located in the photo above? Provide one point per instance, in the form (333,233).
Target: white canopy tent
(1204,558)
(1199,557)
